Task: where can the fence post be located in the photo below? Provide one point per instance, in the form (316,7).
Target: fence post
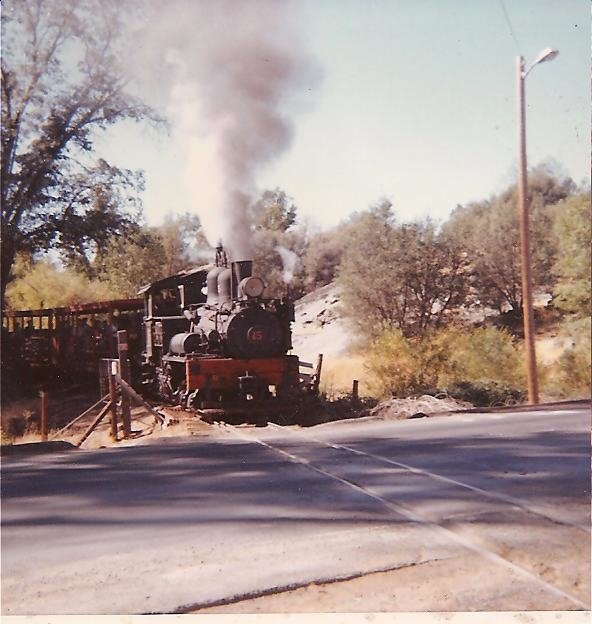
(317,374)
(43,396)
(355,394)
(113,399)
(124,373)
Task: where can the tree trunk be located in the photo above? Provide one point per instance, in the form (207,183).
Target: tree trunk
(8,255)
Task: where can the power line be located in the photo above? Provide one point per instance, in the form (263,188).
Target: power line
(510,25)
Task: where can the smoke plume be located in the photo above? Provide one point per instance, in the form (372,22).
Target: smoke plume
(234,71)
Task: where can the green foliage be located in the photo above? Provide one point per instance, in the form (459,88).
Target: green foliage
(548,185)
(52,192)
(396,366)
(571,375)
(278,246)
(184,243)
(488,231)
(573,267)
(323,257)
(488,394)
(405,276)
(443,360)
(42,285)
(481,354)
(342,407)
(92,207)
(274,211)
(277,261)
(128,263)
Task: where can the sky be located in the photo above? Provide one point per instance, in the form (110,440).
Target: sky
(416,103)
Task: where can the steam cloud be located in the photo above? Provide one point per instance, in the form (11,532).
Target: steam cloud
(233,70)
(290,262)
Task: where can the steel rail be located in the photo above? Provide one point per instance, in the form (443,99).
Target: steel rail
(516,502)
(413,516)
(85,413)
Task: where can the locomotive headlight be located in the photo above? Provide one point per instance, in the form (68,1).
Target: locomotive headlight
(252,286)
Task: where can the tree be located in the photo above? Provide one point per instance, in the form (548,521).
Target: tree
(274,211)
(277,260)
(129,263)
(572,266)
(488,231)
(42,285)
(278,246)
(408,276)
(323,256)
(184,242)
(62,82)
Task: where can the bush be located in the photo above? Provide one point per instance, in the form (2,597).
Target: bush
(486,394)
(343,407)
(394,365)
(482,355)
(482,362)
(570,376)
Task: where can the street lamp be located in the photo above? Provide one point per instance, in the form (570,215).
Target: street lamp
(547,54)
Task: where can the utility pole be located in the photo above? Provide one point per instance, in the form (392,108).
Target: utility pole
(548,54)
(525,262)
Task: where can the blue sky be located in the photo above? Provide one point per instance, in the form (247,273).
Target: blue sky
(417,103)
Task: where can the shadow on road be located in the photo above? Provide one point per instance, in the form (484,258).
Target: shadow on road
(189,481)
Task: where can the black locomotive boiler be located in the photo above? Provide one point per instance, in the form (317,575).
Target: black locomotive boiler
(214,342)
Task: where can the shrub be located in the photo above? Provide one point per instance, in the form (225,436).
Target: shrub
(482,355)
(481,362)
(570,376)
(489,394)
(393,365)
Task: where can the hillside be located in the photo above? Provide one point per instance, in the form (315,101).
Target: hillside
(320,327)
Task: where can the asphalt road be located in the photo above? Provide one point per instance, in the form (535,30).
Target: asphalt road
(185,523)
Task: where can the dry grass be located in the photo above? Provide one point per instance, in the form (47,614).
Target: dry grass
(339,372)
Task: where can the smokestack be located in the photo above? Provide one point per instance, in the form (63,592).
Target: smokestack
(240,270)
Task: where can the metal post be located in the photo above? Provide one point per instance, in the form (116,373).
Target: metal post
(43,396)
(124,373)
(523,205)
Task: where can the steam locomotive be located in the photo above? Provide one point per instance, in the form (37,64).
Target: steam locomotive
(213,342)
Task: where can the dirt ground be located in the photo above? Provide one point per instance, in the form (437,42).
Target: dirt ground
(23,416)
(461,583)
(404,589)
(179,422)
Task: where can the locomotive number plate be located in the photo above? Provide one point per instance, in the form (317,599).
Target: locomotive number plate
(256,335)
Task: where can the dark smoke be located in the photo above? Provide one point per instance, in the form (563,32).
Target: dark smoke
(234,72)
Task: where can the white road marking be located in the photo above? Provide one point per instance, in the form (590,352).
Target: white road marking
(415,517)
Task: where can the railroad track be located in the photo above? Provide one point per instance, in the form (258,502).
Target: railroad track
(79,424)
(485,549)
